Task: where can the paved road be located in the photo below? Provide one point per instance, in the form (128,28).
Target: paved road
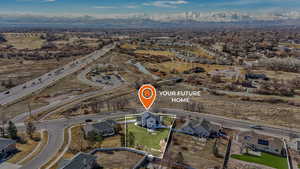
(56,127)
(240,124)
(51,77)
(55,130)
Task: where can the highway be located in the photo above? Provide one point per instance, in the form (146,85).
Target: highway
(56,128)
(51,77)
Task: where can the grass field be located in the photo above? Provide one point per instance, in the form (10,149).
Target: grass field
(148,139)
(182,66)
(202,53)
(24,41)
(129,46)
(155,53)
(264,159)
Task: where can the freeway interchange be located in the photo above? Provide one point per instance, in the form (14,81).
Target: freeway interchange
(20,91)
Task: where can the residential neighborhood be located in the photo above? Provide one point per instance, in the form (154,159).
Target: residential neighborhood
(150,84)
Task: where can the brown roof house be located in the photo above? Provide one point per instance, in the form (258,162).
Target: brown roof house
(258,142)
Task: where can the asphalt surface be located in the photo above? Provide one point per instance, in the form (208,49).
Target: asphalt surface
(55,129)
(51,77)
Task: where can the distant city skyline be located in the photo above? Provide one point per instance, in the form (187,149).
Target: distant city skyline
(122,7)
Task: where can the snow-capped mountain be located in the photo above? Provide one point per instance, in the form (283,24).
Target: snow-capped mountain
(146,20)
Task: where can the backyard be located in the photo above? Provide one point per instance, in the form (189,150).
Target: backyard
(265,159)
(145,139)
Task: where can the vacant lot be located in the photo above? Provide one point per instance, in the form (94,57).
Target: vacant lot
(202,53)
(24,40)
(117,159)
(182,66)
(195,152)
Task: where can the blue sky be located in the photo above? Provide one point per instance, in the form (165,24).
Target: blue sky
(143,6)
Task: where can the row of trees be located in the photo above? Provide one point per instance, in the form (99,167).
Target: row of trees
(193,106)
(10,130)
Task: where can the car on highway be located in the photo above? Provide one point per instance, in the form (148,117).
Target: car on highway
(88,120)
(257,127)
(7,92)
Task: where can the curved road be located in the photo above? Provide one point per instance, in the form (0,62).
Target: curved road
(56,128)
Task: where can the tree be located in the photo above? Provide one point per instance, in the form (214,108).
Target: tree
(12,130)
(3,118)
(94,136)
(30,129)
(179,158)
(122,139)
(118,128)
(2,132)
(131,139)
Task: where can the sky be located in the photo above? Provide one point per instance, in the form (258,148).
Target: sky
(98,7)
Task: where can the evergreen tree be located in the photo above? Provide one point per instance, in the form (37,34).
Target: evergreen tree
(12,130)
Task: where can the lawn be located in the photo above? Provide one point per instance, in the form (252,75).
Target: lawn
(265,159)
(148,139)
(168,121)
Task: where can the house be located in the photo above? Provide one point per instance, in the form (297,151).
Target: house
(81,161)
(259,142)
(104,128)
(149,120)
(7,148)
(199,127)
(294,144)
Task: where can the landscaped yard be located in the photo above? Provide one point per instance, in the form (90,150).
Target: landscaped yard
(265,159)
(150,140)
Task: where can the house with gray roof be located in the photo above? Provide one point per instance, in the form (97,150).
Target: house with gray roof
(104,128)
(149,120)
(7,148)
(81,161)
(199,127)
(260,142)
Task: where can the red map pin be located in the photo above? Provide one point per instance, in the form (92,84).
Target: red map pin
(147,95)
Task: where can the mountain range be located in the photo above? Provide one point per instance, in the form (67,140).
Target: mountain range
(152,20)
